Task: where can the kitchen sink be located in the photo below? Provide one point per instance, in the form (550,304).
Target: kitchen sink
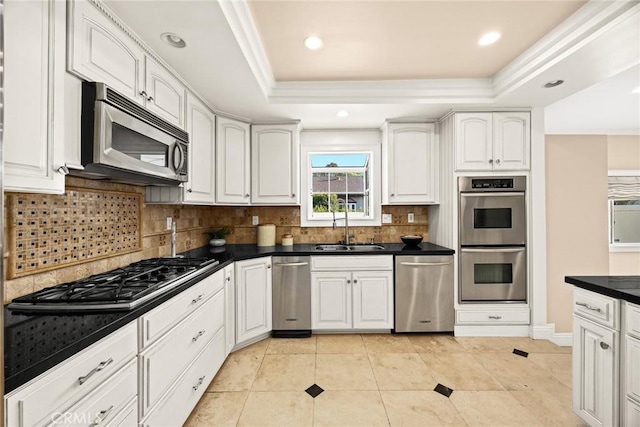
(344,248)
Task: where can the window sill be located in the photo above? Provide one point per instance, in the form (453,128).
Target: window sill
(625,248)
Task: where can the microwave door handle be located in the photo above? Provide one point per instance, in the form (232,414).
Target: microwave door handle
(178,147)
(502,250)
(491,194)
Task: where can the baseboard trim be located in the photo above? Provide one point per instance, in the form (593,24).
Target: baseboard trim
(544,332)
(563,339)
(491,330)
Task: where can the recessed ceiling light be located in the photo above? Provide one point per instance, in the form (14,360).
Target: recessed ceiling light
(343,113)
(173,40)
(489,38)
(313,43)
(553,83)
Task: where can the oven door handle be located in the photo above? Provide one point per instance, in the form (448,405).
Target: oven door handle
(503,250)
(492,194)
(178,151)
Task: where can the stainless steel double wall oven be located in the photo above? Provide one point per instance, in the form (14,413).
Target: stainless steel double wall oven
(493,234)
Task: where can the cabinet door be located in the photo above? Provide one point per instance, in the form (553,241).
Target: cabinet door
(33,96)
(373,300)
(201,125)
(274,164)
(632,368)
(474,141)
(253,298)
(232,162)
(595,373)
(411,161)
(331,300)
(511,141)
(229,308)
(165,94)
(631,413)
(100,51)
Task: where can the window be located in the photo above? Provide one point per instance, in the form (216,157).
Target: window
(624,211)
(340,172)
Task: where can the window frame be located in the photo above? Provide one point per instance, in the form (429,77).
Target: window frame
(619,247)
(340,141)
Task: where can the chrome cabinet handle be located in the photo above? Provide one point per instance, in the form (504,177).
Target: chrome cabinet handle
(293,194)
(269,266)
(246,196)
(588,307)
(150,99)
(497,161)
(198,384)
(490,161)
(348,281)
(495,317)
(228,278)
(143,93)
(197,299)
(100,367)
(355,280)
(64,170)
(604,345)
(393,195)
(189,190)
(102,415)
(198,335)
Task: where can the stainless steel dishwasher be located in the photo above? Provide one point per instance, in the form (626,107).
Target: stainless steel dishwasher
(291,297)
(424,293)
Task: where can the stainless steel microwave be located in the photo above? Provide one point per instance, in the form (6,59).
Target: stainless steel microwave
(122,141)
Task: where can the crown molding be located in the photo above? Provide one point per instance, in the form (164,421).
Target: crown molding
(586,24)
(434,91)
(240,20)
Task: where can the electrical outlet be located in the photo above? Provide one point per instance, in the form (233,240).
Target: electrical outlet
(255,220)
(169,222)
(410,218)
(387,218)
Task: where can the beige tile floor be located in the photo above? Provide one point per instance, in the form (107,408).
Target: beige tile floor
(388,380)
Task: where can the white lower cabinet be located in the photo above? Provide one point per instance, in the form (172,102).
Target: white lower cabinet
(595,372)
(163,362)
(631,413)
(109,404)
(346,298)
(230,307)
(630,366)
(253,298)
(74,380)
(177,404)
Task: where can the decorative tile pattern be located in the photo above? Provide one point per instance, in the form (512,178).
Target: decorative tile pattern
(51,231)
(520,352)
(443,390)
(314,391)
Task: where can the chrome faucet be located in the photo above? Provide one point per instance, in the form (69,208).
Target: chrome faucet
(341,202)
(173,239)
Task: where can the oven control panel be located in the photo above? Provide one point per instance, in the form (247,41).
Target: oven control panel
(474,184)
(492,183)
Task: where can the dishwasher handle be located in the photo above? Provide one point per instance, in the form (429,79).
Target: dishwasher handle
(425,264)
(290,264)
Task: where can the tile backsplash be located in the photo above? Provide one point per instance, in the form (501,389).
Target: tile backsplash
(192,223)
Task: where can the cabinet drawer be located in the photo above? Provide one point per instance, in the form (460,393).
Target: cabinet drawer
(352,262)
(500,316)
(178,403)
(104,403)
(127,417)
(163,362)
(632,319)
(599,308)
(65,384)
(161,319)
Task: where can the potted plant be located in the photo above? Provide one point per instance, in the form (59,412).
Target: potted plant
(217,236)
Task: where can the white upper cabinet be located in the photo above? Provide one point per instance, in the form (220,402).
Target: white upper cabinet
(201,126)
(275,152)
(492,141)
(511,141)
(232,162)
(165,94)
(34,64)
(409,165)
(101,51)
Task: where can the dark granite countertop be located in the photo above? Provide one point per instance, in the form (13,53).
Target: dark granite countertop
(34,343)
(621,287)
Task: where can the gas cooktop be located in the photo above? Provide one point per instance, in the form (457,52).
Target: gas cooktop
(119,289)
